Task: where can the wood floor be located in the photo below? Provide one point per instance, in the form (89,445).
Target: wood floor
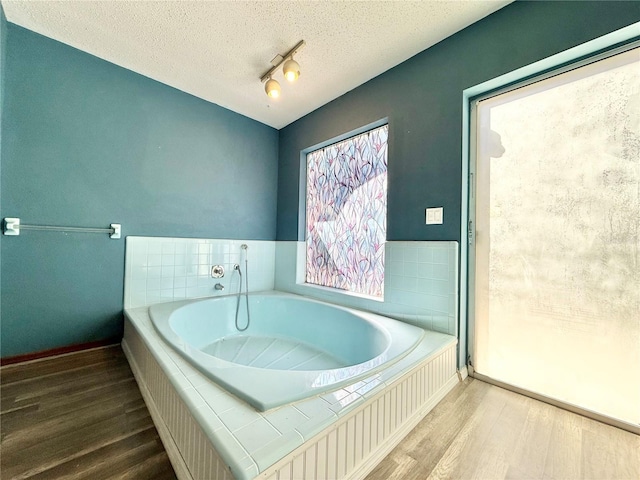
(484,432)
(78,416)
(81,416)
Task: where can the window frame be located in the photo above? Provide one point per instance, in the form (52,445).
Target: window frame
(302,208)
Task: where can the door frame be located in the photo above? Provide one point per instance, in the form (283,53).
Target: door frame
(594,50)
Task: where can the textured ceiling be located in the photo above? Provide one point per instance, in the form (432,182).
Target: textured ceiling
(218,50)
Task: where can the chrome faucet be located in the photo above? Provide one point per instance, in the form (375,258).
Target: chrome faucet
(219,286)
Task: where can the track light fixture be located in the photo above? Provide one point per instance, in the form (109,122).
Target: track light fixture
(291,70)
(272,88)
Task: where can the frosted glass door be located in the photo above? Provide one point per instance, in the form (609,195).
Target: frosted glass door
(557,254)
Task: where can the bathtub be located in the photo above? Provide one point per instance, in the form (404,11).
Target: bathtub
(294,347)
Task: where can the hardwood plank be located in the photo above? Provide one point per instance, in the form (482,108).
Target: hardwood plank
(57,413)
(564,459)
(109,460)
(77,416)
(531,448)
(24,437)
(431,438)
(73,443)
(461,458)
(84,418)
(42,367)
(65,382)
(152,468)
(485,432)
(606,449)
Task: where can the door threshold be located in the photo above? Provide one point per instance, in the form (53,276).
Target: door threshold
(614,422)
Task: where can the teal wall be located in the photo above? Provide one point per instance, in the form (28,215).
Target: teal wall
(3,42)
(422,98)
(87,143)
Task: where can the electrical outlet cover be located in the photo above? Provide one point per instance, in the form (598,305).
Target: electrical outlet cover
(434,216)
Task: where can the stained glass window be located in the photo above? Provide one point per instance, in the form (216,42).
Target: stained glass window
(347,213)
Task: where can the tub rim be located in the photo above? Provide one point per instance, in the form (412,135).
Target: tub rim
(265,389)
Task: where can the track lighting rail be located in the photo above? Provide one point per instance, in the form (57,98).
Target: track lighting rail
(284,58)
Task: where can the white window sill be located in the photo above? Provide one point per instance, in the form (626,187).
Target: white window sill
(337,291)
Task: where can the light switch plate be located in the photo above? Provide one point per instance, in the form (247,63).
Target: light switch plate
(434,216)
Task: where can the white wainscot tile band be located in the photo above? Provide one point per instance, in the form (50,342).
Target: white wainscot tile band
(420,286)
(164,269)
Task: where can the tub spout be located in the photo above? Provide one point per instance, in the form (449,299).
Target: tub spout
(219,286)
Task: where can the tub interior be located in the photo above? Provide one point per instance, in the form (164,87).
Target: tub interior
(291,335)
(294,348)
(279,353)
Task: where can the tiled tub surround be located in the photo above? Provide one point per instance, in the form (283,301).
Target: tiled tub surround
(209,434)
(420,284)
(164,269)
(421,278)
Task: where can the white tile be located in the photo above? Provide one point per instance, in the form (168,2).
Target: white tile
(167,294)
(441,272)
(154,246)
(256,434)
(368,388)
(394,268)
(425,270)
(138,298)
(355,386)
(228,446)
(168,248)
(425,254)
(411,253)
(410,269)
(441,255)
(154,272)
(285,418)
(239,417)
(347,402)
(138,272)
(138,259)
(192,292)
(153,283)
(137,284)
(334,397)
(394,252)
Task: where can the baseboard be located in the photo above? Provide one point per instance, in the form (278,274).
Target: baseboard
(57,352)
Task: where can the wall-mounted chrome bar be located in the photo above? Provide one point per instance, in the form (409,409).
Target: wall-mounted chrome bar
(12,226)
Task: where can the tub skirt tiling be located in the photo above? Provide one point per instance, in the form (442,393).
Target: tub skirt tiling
(349,448)
(189,450)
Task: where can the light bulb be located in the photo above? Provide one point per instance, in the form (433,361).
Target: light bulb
(272,88)
(291,70)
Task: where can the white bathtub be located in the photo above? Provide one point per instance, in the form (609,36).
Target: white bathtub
(294,347)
